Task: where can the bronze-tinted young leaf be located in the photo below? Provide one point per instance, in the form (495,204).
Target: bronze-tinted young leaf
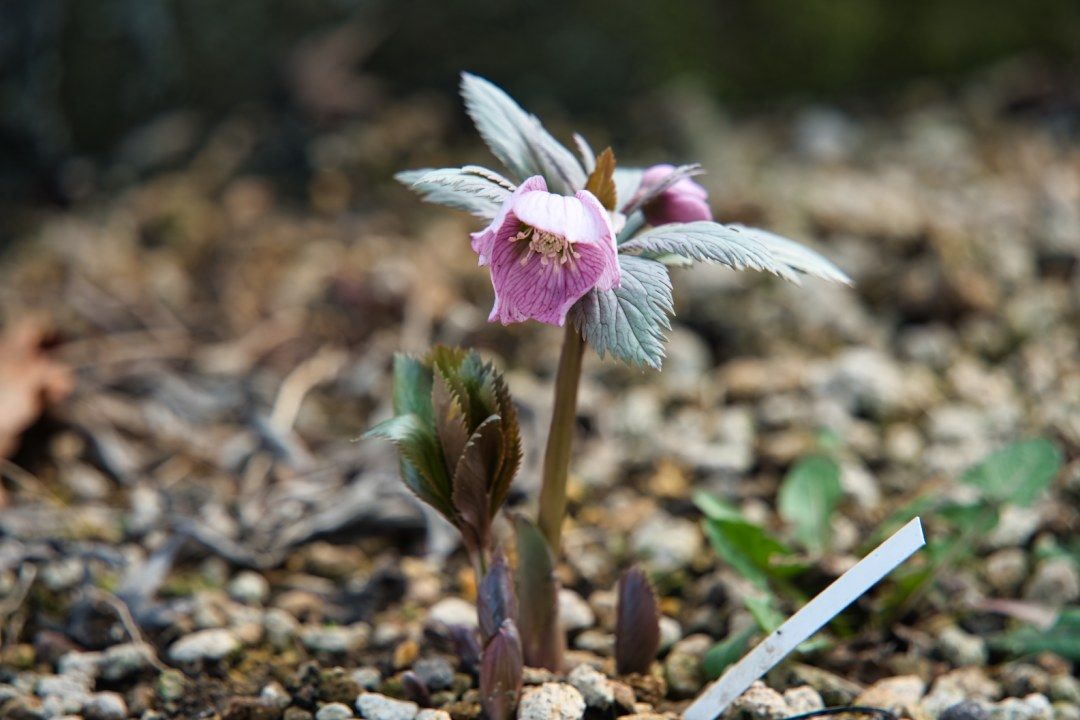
(496,601)
(449,421)
(422,465)
(511,440)
(541,636)
(500,673)
(601,182)
(479,464)
(637,623)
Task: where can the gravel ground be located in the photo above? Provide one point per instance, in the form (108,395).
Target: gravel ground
(194,531)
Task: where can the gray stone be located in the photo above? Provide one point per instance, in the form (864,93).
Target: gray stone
(453,611)
(334,711)
(1006,570)
(335,638)
(965,710)
(1065,688)
(593,685)
(899,694)
(105,706)
(213,644)
(1056,581)
(249,587)
(430,714)
(374,706)
(85,665)
(760,702)
(666,543)
(961,648)
(574,613)
(436,672)
(368,678)
(803,699)
(127,659)
(670,632)
(280,626)
(552,701)
(1032,707)
(275,695)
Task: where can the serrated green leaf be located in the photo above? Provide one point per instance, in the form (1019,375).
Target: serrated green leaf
(629,322)
(1017,473)
(412,387)
(724,653)
(808,497)
(541,638)
(707,241)
(423,467)
(517,138)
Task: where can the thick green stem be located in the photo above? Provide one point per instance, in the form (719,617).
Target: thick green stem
(560,438)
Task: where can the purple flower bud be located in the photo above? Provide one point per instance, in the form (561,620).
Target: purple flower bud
(500,673)
(685,201)
(546,251)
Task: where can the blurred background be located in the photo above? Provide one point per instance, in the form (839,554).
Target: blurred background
(94,93)
(206,268)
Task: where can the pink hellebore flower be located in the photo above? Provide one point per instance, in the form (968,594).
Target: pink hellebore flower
(546,251)
(685,201)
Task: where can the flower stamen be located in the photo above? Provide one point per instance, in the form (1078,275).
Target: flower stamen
(554,250)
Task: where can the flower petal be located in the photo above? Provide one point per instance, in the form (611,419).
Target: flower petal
(531,289)
(482,240)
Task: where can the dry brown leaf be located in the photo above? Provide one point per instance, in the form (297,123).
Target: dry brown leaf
(29,380)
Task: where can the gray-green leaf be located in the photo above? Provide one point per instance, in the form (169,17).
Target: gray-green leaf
(808,496)
(517,138)
(796,256)
(1017,473)
(478,196)
(629,322)
(708,241)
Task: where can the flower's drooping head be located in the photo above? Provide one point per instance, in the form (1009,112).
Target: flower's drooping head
(685,201)
(546,251)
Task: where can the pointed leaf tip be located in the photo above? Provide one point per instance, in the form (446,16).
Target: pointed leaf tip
(637,623)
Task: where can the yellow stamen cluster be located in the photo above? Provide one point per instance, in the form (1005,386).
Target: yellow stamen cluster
(549,246)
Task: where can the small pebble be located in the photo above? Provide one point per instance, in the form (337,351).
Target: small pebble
(105,706)
(373,706)
(552,701)
(436,672)
(249,587)
(593,685)
(453,611)
(204,645)
(334,711)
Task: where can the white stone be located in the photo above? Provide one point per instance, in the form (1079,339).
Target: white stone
(593,685)
(574,613)
(204,645)
(552,701)
(374,706)
(334,711)
(453,611)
